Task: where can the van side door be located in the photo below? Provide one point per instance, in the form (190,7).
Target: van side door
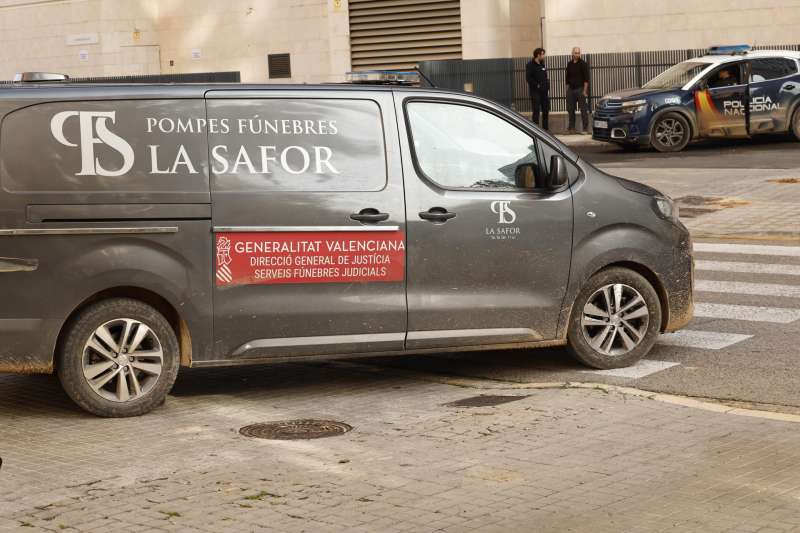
(488,262)
(309,223)
(774,88)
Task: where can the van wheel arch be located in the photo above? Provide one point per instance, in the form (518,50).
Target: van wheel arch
(155,300)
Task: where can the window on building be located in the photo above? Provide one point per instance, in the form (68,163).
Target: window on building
(279,66)
(460,147)
(770,68)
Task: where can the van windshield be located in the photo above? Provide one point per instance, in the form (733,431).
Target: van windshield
(677,75)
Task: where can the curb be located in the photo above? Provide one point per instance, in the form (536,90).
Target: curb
(488,384)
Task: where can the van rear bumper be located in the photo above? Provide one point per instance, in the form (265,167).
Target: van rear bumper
(27,346)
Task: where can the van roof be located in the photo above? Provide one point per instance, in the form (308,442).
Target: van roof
(204,87)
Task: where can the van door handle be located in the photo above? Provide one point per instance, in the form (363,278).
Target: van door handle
(436,214)
(369,216)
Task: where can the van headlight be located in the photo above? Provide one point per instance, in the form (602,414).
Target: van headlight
(634,106)
(665,207)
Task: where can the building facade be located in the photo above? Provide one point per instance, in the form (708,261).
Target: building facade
(297,41)
(307,41)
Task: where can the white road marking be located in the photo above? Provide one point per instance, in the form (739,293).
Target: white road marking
(747,268)
(748,313)
(641,369)
(747,249)
(706,340)
(742,287)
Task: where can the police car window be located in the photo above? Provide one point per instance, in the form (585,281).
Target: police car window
(770,68)
(458,146)
(727,76)
(302,144)
(677,75)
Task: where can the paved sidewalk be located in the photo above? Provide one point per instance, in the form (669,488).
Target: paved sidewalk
(553,460)
(715,202)
(728,202)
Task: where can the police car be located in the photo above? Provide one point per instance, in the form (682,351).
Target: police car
(732,92)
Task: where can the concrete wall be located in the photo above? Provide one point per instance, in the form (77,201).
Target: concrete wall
(163,36)
(624,25)
(500,28)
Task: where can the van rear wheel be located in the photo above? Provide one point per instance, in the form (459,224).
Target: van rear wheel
(671,133)
(119,358)
(615,320)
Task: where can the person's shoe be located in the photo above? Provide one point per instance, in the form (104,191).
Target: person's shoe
(572,132)
(586,132)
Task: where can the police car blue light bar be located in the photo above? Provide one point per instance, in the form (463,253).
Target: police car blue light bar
(730,50)
(384,76)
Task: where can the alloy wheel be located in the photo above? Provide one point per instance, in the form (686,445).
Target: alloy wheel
(122,360)
(615,319)
(670,132)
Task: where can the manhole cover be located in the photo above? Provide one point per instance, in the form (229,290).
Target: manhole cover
(484,401)
(296,429)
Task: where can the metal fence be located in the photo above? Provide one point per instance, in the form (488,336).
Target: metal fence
(503,79)
(193,77)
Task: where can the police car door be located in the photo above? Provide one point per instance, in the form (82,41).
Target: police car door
(774,87)
(309,223)
(721,102)
(487,262)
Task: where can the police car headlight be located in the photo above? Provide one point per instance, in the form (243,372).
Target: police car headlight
(665,207)
(634,106)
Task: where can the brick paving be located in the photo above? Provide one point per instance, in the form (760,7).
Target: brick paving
(553,460)
(761,204)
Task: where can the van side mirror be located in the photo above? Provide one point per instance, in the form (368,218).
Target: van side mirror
(525,176)
(558,176)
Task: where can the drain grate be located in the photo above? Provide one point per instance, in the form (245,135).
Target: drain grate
(487,400)
(296,429)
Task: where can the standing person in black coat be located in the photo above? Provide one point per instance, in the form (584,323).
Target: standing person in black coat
(539,87)
(578,90)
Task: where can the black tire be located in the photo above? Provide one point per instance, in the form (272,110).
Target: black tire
(671,132)
(112,315)
(795,124)
(579,345)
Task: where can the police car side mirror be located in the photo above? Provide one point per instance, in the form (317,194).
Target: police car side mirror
(525,176)
(559,175)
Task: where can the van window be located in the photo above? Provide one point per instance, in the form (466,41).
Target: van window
(458,146)
(296,144)
(770,68)
(106,147)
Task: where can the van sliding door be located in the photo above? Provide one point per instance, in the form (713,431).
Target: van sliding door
(309,223)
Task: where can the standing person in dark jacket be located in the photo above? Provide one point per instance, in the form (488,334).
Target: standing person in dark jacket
(539,87)
(577,90)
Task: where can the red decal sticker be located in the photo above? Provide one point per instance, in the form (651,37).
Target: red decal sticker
(309,257)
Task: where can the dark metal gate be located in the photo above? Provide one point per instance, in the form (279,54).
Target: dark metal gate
(503,79)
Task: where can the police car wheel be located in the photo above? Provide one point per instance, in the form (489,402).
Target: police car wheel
(615,319)
(796,124)
(670,133)
(119,358)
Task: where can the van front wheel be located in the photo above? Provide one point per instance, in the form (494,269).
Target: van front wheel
(615,320)
(119,358)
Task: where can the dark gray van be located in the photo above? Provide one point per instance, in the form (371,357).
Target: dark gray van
(148,227)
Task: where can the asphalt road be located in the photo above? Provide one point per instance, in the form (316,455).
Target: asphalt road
(769,152)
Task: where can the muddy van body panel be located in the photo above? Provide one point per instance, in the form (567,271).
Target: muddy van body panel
(98,204)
